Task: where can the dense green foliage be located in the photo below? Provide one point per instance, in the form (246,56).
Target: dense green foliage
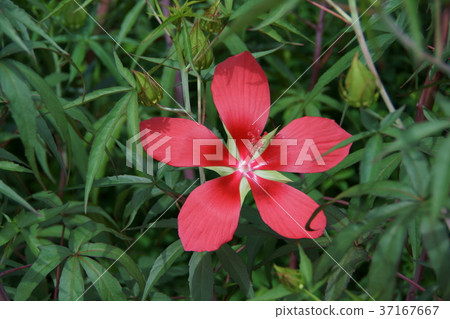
(77,223)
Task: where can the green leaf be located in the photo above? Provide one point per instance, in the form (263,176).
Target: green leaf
(9,30)
(50,99)
(344,240)
(71,283)
(60,5)
(435,239)
(234,265)
(7,232)
(9,192)
(4,154)
(13,167)
(107,286)
(49,257)
(78,55)
(15,13)
(125,73)
(339,279)
(100,141)
(122,180)
(391,118)
(133,116)
(370,163)
(111,252)
(84,233)
(140,197)
(88,230)
(416,133)
(201,280)
(129,20)
(305,267)
(49,140)
(104,58)
(416,165)
(162,264)
(388,189)
(277,14)
(23,112)
(275,293)
(440,183)
(385,260)
(348,141)
(92,96)
(260,54)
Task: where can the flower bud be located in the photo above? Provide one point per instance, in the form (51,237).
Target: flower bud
(360,89)
(201,52)
(211,21)
(292,279)
(73,16)
(149,92)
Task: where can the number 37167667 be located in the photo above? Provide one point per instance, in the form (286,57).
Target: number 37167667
(408,310)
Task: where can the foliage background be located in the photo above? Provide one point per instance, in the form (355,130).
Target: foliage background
(69,103)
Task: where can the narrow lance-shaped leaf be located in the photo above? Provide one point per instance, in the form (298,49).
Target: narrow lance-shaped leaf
(9,192)
(385,260)
(117,254)
(201,280)
(234,265)
(435,239)
(49,257)
(9,30)
(15,13)
(129,20)
(71,283)
(108,287)
(23,111)
(162,264)
(92,96)
(440,184)
(339,279)
(370,164)
(50,99)
(100,141)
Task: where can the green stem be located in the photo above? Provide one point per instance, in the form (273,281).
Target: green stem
(199,119)
(365,51)
(183,73)
(339,10)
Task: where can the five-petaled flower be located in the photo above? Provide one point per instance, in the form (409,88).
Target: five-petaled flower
(210,215)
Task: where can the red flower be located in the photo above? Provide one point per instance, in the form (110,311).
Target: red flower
(210,215)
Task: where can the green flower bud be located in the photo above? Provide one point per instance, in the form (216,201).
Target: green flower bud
(149,92)
(292,279)
(201,52)
(73,16)
(211,21)
(360,89)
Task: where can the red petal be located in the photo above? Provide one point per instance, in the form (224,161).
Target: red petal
(183,143)
(210,215)
(285,209)
(241,94)
(302,142)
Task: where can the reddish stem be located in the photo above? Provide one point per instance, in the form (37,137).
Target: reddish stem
(343,202)
(317,49)
(58,269)
(417,276)
(6,272)
(328,10)
(427,97)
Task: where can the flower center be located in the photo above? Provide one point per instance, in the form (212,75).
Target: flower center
(244,167)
